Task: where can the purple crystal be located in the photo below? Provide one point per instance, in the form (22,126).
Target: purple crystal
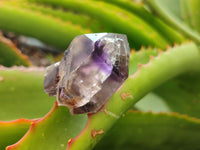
(92,69)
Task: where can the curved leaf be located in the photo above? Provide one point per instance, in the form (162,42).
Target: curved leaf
(138,32)
(144,80)
(137,58)
(136,86)
(186,13)
(67,16)
(143,131)
(53,131)
(10,55)
(22,94)
(138,9)
(191,13)
(182,94)
(160,8)
(152,102)
(47,29)
(11,132)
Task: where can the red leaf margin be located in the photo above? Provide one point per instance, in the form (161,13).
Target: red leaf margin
(36,121)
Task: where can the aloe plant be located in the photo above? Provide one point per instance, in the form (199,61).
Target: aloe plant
(164,78)
(10,55)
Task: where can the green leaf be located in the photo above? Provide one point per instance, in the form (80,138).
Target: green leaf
(146,78)
(22,94)
(136,86)
(10,55)
(67,16)
(152,102)
(140,57)
(170,18)
(138,9)
(121,21)
(143,131)
(50,30)
(186,13)
(53,131)
(182,94)
(11,132)
(191,13)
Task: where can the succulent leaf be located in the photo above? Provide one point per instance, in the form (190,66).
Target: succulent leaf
(98,124)
(44,28)
(137,130)
(125,22)
(191,14)
(182,94)
(22,92)
(59,124)
(144,80)
(10,55)
(171,77)
(67,16)
(163,12)
(12,131)
(167,32)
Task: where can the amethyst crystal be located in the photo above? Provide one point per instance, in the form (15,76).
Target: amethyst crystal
(92,69)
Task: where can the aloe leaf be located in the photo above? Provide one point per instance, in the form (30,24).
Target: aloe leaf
(191,13)
(10,55)
(138,32)
(174,7)
(47,29)
(152,102)
(11,132)
(195,4)
(67,16)
(186,13)
(136,86)
(22,94)
(137,130)
(144,80)
(53,131)
(138,58)
(182,94)
(138,9)
(163,12)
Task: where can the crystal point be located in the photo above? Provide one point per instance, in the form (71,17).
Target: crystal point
(93,68)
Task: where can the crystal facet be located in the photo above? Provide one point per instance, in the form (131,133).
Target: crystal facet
(92,69)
